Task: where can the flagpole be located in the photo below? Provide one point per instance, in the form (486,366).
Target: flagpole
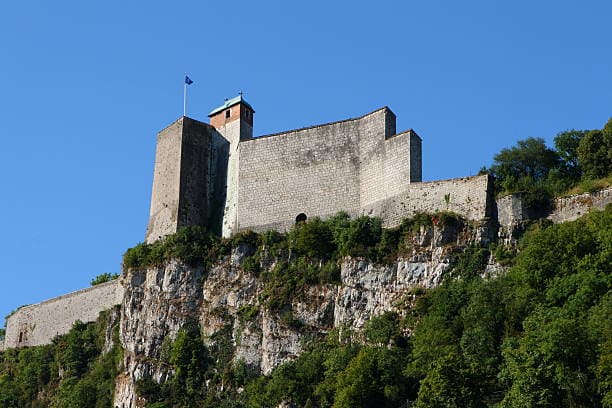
(185,95)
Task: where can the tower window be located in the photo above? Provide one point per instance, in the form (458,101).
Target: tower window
(20,337)
(227,114)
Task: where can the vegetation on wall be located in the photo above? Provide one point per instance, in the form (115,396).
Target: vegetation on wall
(103,278)
(72,372)
(315,241)
(308,254)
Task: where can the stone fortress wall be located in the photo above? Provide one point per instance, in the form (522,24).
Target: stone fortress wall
(320,170)
(38,324)
(470,197)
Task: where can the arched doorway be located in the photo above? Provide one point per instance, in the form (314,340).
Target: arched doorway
(301,217)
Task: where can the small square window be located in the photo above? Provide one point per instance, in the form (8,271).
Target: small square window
(227,114)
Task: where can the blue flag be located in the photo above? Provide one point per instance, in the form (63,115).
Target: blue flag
(188,80)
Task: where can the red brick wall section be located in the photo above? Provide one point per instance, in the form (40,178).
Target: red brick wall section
(236,111)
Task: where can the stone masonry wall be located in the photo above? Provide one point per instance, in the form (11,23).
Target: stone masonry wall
(195,175)
(468,197)
(183,177)
(321,170)
(374,169)
(163,216)
(573,207)
(233,132)
(38,324)
(511,210)
(314,171)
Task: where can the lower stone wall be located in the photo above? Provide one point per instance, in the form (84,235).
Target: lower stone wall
(38,324)
(573,207)
(511,210)
(468,197)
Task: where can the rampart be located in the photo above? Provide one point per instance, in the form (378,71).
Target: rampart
(38,324)
(324,169)
(469,197)
(573,207)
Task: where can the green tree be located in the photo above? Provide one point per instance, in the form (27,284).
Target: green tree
(372,379)
(529,159)
(594,152)
(549,366)
(566,144)
(600,328)
(189,358)
(447,385)
(358,237)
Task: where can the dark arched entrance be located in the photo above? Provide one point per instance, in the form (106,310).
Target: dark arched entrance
(300,218)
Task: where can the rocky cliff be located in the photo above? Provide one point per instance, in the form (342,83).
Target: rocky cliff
(229,303)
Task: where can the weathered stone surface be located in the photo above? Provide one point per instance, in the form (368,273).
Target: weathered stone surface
(158,301)
(188,179)
(513,215)
(38,324)
(573,207)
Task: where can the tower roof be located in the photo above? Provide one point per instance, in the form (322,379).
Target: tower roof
(229,103)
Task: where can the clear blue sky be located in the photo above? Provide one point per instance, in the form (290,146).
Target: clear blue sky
(85,86)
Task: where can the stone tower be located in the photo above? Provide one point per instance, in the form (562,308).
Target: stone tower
(184,179)
(234,121)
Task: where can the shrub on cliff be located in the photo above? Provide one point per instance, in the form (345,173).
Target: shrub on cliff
(191,245)
(103,278)
(313,239)
(537,336)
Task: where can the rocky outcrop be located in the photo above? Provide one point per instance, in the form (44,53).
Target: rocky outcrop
(227,302)
(157,303)
(513,215)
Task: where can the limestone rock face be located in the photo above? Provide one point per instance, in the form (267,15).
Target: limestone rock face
(157,303)
(228,302)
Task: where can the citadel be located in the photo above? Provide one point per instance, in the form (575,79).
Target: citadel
(219,176)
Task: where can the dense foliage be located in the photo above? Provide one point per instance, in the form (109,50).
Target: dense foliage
(580,159)
(538,336)
(315,240)
(71,372)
